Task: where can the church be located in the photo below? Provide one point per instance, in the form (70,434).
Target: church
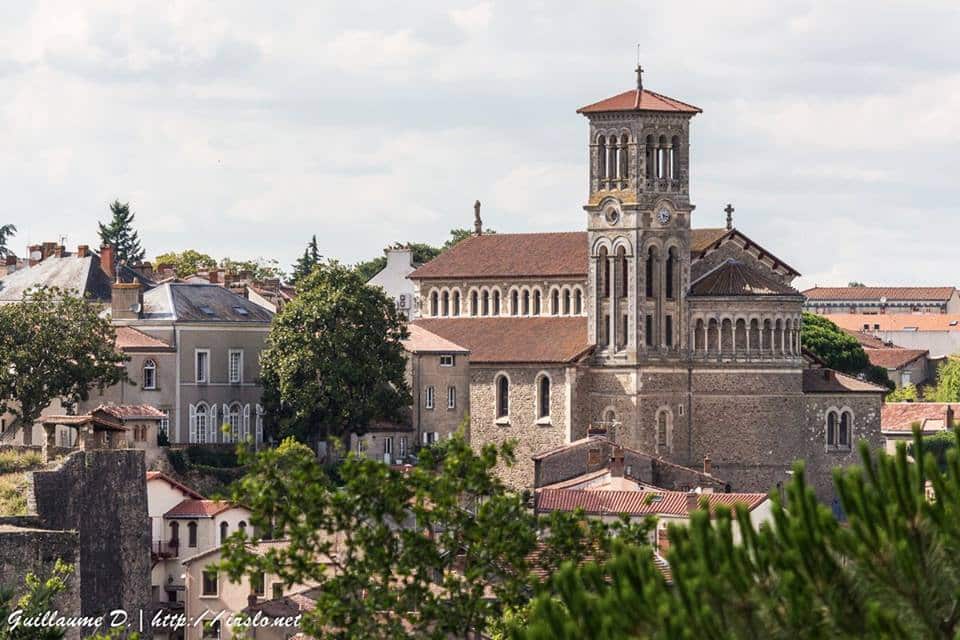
(680,342)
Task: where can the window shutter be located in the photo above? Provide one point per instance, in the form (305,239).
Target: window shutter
(246,422)
(424,434)
(193,423)
(212,424)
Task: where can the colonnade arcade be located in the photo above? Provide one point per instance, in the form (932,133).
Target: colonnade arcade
(745,336)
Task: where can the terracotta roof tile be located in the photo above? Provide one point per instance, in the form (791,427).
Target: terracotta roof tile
(830,381)
(192,508)
(734,278)
(130,339)
(511,339)
(870,341)
(640,100)
(423,341)
(640,503)
(702,239)
(127,411)
(896,321)
(906,294)
(932,416)
(894,358)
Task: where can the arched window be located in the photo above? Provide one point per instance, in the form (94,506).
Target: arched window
(671,264)
(767,339)
(555,302)
(149,374)
(754,338)
(624,157)
(485,310)
(603,273)
(526,302)
(514,303)
(174,534)
(536,302)
(474,307)
(496,302)
(699,334)
(191,534)
(674,157)
(713,335)
(663,158)
(651,159)
(242,527)
(650,273)
(434,303)
(664,419)
(612,157)
(200,424)
(740,336)
(846,424)
(577,302)
(224,530)
(566,302)
(778,337)
(503,397)
(456,303)
(601,157)
(543,397)
(726,336)
(445,304)
(234,418)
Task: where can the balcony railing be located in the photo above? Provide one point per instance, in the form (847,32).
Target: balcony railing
(168,549)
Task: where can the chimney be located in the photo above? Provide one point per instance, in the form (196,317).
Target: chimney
(693,501)
(83,251)
(11,261)
(707,465)
(106,261)
(616,462)
(126,301)
(34,254)
(214,276)
(252,600)
(58,251)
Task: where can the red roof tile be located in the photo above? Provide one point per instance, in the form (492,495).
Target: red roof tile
(894,358)
(130,339)
(932,416)
(127,411)
(830,381)
(640,503)
(157,475)
(512,339)
(640,100)
(192,508)
(423,341)
(896,321)
(906,294)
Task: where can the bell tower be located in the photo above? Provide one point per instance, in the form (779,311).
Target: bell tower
(638,223)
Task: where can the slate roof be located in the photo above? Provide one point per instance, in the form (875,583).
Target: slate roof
(423,341)
(537,255)
(640,100)
(734,278)
(515,339)
(193,508)
(130,339)
(183,302)
(70,272)
(830,381)
(640,503)
(932,416)
(889,358)
(873,294)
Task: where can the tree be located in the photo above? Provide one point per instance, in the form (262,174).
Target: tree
(333,360)
(7,231)
(119,232)
(456,235)
(906,393)
(305,265)
(855,284)
(889,571)
(948,383)
(258,268)
(406,554)
(840,350)
(422,253)
(54,345)
(38,599)
(186,263)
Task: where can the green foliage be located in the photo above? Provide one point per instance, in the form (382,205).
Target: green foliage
(948,383)
(54,345)
(456,235)
(119,232)
(13,460)
(13,493)
(333,360)
(855,284)
(937,445)
(36,600)
(7,231)
(442,550)
(185,263)
(422,253)
(258,268)
(201,455)
(840,350)
(906,393)
(305,265)
(891,571)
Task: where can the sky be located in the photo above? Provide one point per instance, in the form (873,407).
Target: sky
(242,128)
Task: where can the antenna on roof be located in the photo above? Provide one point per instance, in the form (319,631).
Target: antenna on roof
(639,70)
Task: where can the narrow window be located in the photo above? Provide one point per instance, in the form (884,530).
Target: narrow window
(624,158)
(668,330)
(388,445)
(606,275)
(503,397)
(234,419)
(624,273)
(662,431)
(526,303)
(174,534)
(224,531)
(650,276)
(203,366)
(242,527)
(649,330)
(209,583)
(200,424)
(403,446)
(191,534)
(456,303)
(831,429)
(236,366)
(486,304)
(445,304)
(536,302)
(451,397)
(624,329)
(276,590)
(555,303)
(544,404)
(514,303)
(601,158)
(429,397)
(149,374)
(257,583)
(669,274)
(473,303)
(606,330)
(843,439)
(566,302)
(434,304)
(578,302)
(496,302)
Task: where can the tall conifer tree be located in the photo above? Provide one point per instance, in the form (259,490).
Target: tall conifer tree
(119,232)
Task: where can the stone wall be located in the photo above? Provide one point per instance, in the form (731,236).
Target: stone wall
(102,496)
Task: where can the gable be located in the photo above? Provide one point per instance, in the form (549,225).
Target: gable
(709,253)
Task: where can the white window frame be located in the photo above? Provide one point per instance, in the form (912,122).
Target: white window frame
(150,365)
(428,401)
(238,379)
(403,446)
(205,369)
(388,445)
(216,594)
(452,397)
(448,360)
(164,425)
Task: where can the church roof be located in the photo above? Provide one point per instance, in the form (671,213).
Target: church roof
(515,339)
(734,278)
(532,255)
(423,341)
(830,381)
(640,100)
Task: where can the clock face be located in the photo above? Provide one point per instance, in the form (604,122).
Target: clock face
(663,215)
